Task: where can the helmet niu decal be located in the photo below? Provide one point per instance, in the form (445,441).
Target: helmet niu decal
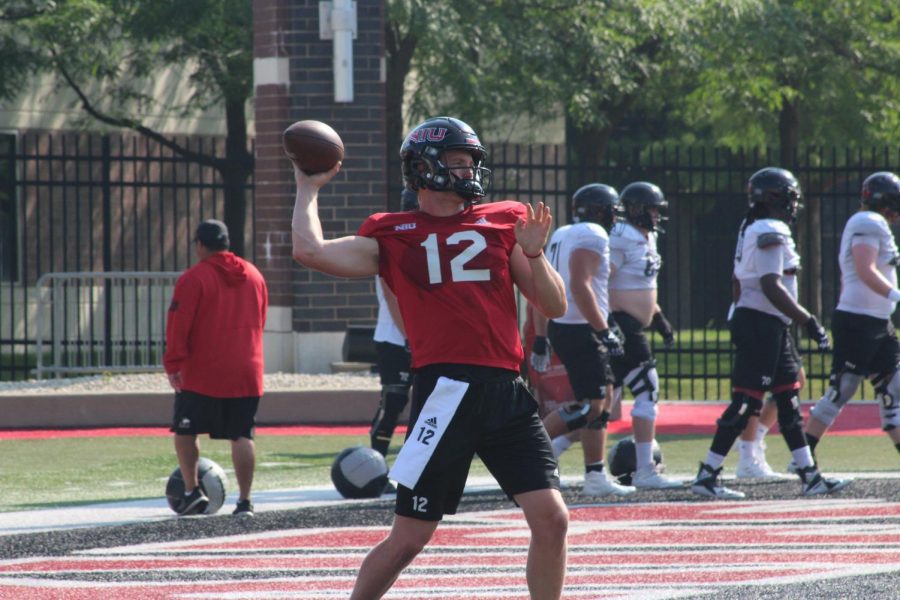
(428,134)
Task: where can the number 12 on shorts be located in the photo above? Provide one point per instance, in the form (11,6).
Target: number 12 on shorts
(425,434)
(420,504)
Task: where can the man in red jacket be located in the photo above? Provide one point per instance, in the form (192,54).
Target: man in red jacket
(214,360)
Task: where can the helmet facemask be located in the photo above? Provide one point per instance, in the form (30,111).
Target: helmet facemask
(778,191)
(424,159)
(596,203)
(640,216)
(638,198)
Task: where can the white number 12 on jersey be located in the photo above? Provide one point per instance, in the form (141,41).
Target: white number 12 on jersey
(458,271)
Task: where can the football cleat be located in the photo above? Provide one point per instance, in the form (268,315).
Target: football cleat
(708,483)
(649,478)
(814,483)
(597,483)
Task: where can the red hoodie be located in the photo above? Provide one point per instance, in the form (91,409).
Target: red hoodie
(214,332)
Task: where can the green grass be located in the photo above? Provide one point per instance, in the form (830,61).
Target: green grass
(49,473)
(699,367)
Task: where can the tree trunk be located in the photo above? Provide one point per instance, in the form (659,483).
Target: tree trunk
(586,147)
(809,232)
(236,170)
(400,52)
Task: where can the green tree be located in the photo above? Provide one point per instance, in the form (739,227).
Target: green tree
(799,72)
(120,44)
(594,61)
(793,73)
(18,59)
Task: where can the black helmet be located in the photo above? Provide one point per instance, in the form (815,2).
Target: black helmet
(637,198)
(422,156)
(621,459)
(881,190)
(596,203)
(776,189)
(409,200)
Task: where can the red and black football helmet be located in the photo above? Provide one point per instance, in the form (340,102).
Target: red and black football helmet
(637,198)
(778,190)
(596,203)
(422,158)
(881,190)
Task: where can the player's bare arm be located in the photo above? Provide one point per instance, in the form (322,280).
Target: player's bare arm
(773,287)
(534,276)
(349,256)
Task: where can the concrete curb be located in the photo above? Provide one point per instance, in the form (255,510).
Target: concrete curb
(155,409)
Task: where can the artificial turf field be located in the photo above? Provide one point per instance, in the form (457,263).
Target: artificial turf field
(655,544)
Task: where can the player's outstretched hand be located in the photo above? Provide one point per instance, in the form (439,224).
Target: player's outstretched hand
(532,231)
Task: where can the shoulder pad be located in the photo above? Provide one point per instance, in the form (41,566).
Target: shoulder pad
(770,238)
(868,223)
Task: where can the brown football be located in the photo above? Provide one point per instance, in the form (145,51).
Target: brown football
(313,145)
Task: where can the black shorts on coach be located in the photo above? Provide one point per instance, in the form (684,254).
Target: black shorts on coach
(221,418)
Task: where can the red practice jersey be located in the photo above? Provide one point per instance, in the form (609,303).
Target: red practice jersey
(453,283)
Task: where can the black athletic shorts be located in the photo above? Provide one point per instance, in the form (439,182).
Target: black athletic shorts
(221,418)
(584,356)
(765,356)
(637,346)
(393,364)
(863,345)
(498,420)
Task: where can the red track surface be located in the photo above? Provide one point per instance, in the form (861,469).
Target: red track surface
(674,419)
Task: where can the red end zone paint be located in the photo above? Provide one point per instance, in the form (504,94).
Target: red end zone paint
(675,418)
(635,551)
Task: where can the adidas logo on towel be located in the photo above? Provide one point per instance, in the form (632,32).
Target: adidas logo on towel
(432,422)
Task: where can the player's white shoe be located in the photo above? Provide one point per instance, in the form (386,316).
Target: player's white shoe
(754,468)
(649,478)
(598,483)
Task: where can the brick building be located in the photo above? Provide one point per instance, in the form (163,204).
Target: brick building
(294,73)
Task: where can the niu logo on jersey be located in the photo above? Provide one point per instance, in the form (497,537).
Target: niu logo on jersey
(428,134)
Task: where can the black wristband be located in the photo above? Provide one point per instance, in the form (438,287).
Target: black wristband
(661,324)
(539,346)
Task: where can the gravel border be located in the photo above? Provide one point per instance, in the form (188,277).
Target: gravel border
(157,382)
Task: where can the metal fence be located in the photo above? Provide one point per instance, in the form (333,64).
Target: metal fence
(706,190)
(111,322)
(79,202)
(94,203)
